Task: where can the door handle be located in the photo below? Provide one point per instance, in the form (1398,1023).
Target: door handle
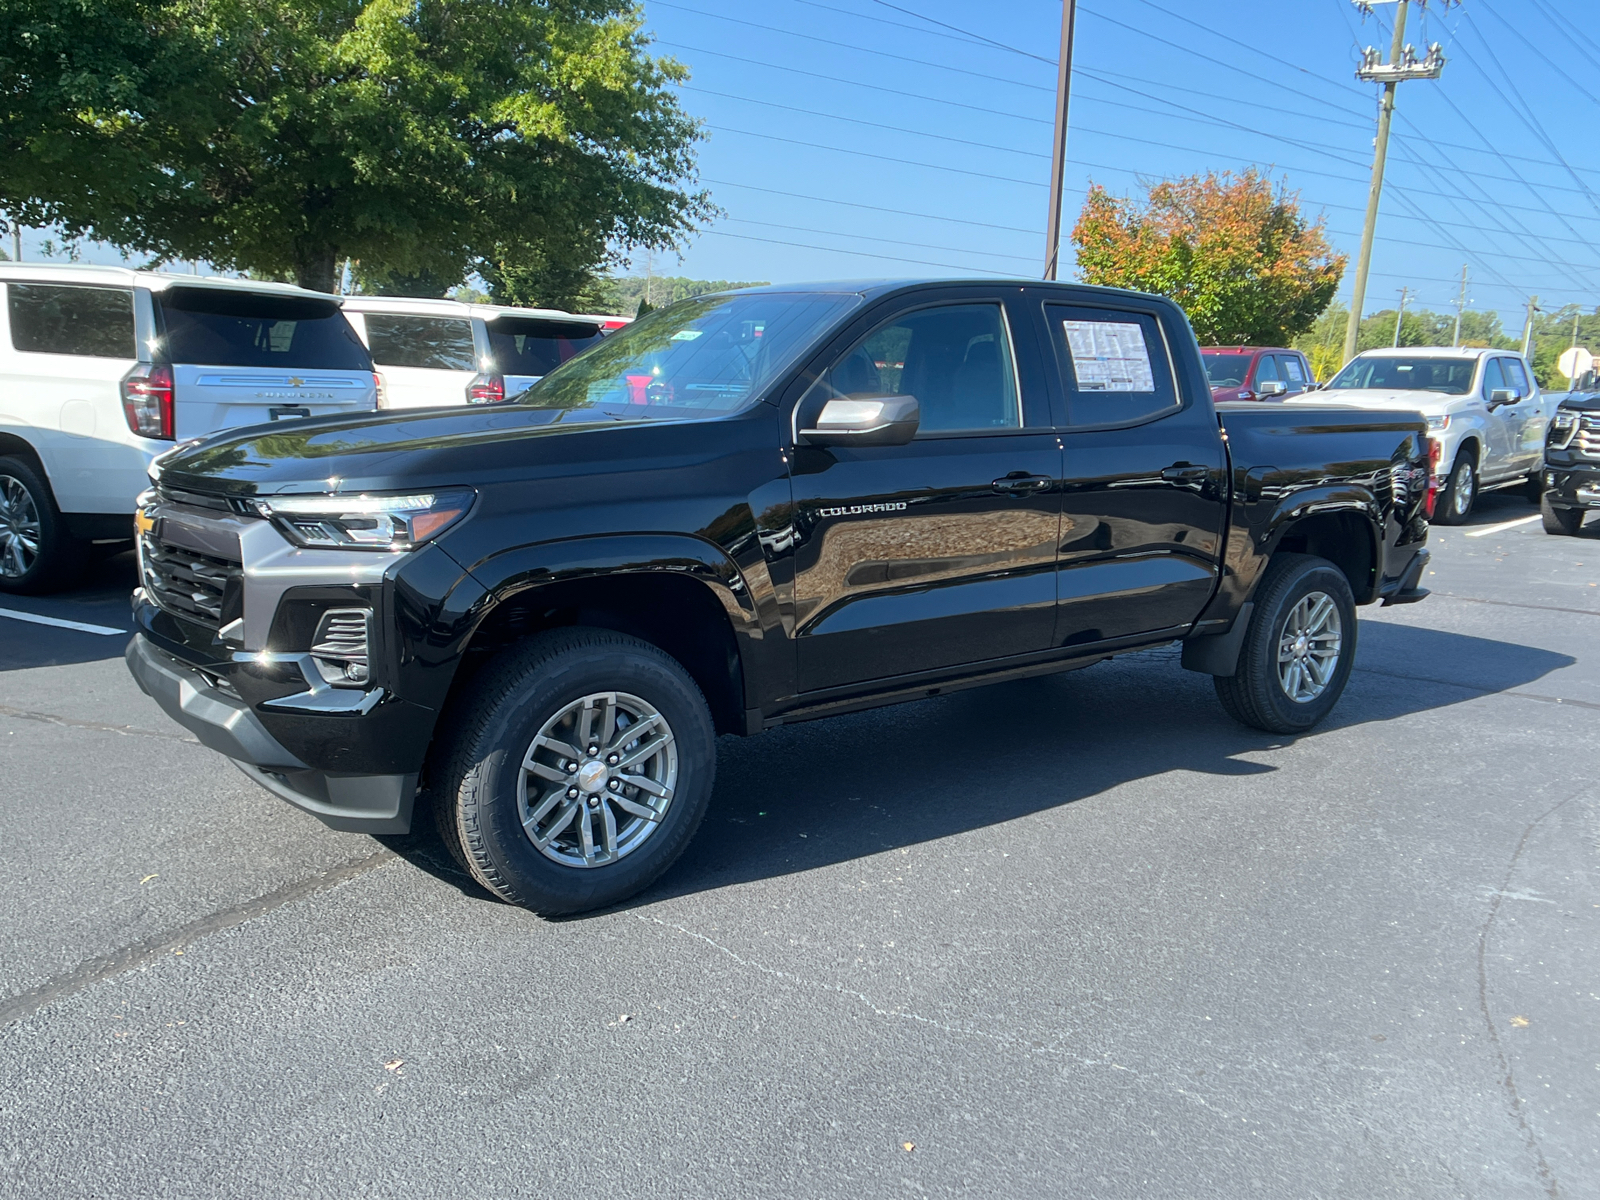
(1020,484)
(1186,473)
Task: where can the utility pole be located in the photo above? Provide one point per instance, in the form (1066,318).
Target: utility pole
(1403,64)
(1461,303)
(16,241)
(1401,315)
(1527,324)
(1058,151)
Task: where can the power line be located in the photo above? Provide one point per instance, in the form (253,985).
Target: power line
(906,162)
(899,212)
(867,237)
(922,262)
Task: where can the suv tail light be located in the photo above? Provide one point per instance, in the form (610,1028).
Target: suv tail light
(380,393)
(147,400)
(486,388)
(1435,456)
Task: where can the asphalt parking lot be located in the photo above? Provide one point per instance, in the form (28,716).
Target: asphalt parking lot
(1073,936)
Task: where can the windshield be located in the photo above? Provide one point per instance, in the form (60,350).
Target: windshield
(1227,370)
(699,357)
(1451,376)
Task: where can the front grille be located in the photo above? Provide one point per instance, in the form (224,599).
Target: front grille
(186,583)
(1586,443)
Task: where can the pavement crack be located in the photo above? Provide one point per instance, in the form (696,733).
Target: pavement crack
(1507,1076)
(7,710)
(119,962)
(1482,691)
(1582,612)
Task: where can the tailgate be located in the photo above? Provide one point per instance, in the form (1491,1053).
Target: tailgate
(209,399)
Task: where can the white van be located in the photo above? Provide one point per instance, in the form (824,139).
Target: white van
(102,368)
(433,352)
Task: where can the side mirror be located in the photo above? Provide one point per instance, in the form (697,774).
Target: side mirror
(865,421)
(1272,387)
(1501,396)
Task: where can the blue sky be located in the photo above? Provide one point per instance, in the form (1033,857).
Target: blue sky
(852,138)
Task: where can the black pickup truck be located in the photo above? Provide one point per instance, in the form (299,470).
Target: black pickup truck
(744,510)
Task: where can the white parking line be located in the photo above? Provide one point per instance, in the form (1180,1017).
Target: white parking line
(1488,529)
(57,622)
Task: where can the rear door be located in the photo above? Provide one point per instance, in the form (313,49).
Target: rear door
(247,358)
(424,360)
(940,552)
(1144,481)
(526,349)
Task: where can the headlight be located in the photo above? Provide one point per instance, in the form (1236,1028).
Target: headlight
(1438,424)
(366,522)
(1565,420)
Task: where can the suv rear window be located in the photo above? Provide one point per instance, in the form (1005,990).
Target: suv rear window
(443,343)
(47,318)
(531,346)
(216,328)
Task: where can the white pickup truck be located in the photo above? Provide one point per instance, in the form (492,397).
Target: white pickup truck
(1484,411)
(102,368)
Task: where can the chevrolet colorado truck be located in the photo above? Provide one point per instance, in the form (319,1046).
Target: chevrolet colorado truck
(535,617)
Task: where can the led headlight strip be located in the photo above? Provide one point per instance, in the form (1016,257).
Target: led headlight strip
(367,521)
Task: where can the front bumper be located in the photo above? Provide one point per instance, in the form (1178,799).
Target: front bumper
(1572,485)
(354,802)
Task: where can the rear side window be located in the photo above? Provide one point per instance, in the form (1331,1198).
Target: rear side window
(443,343)
(530,346)
(216,328)
(1115,365)
(47,318)
(1291,367)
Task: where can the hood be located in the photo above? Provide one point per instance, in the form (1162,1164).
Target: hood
(1390,398)
(397,451)
(1588,402)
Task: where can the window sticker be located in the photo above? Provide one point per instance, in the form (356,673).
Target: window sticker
(1294,369)
(1109,356)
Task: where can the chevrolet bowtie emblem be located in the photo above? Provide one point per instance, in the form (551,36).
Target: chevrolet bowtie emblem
(295,382)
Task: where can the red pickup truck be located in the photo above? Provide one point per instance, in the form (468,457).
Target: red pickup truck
(1256,372)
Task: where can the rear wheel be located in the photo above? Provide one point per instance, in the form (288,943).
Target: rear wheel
(37,553)
(580,773)
(1298,651)
(1566,521)
(1460,491)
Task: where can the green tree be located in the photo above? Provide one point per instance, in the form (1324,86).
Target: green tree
(536,139)
(1232,250)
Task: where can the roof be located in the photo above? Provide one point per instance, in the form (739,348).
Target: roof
(438,307)
(84,273)
(1248,350)
(873,289)
(1431,352)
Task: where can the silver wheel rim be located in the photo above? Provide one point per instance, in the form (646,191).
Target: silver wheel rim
(19,528)
(1461,498)
(597,780)
(1308,647)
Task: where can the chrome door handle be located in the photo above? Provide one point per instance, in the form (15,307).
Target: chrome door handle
(1019,484)
(1186,473)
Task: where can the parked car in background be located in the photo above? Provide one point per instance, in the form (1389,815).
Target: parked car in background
(433,352)
(102,368)
(1256,372)
(1485,413)
(1572,462)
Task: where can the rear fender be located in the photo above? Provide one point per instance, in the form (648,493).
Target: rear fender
(1352,540)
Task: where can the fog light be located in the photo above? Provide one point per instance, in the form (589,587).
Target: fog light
(341,646)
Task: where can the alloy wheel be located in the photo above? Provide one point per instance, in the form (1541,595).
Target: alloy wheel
(597,780)
(1461,490)
(1308,647)
(19,528)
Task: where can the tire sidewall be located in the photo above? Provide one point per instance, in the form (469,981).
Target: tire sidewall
(1463,469)
(54,564)
(1283,593)
(487,802)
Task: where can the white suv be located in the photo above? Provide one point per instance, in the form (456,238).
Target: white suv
(433,352)
(102,368)
(1483,408)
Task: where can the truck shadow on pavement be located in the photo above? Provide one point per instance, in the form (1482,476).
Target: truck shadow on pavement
(822,793)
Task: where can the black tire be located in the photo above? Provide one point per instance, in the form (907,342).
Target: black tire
(1254,695)
(476,797)
(1563,521)
(28,515)
(1460,491)
(1533,489)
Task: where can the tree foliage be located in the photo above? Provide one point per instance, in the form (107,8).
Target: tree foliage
(518,138)
(1233,251)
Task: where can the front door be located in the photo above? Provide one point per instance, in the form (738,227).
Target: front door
(1503,427)
(1144,481)
(940,552)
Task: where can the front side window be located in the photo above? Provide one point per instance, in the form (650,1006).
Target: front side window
(696,358)
(955,359)
(442,343)
(217,327)
(1493,377)
(95,322)
(1267,370)
(1516,377)
(1116,365)
(1448,376)
(1226,370)
(534,346)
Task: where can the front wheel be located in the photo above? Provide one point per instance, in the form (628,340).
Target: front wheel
(1460,491)
(1299,649)
(579,773)
(1563,521)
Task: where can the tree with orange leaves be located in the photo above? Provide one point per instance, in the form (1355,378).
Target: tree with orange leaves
(1233,251)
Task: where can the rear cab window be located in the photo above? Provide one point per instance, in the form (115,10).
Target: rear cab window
(439,343)
(536,345)
(91,322)
(218,327)
(1114,364)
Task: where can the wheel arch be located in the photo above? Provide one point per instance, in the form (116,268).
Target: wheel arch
(1346,535)
(12,446)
